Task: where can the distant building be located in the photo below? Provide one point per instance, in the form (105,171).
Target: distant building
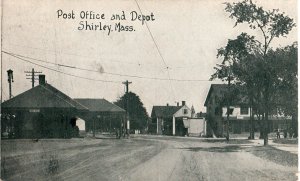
(40,112)
(201,115)
(239,113)
(105,115)
(168,120)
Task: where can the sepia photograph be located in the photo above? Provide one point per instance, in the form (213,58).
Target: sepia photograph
(149,90)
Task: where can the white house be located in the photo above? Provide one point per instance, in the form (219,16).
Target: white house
(168,120)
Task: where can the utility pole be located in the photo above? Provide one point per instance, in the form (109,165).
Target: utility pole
(10,80)
(127,106)
(32,76)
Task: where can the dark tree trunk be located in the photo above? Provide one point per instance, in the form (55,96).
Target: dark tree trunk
(261,127)
(266,120)
(266,131)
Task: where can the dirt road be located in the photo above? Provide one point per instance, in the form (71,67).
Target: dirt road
(140,158)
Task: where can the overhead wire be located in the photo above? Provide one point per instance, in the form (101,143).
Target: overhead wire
(158,50)
(190,66)
(104,72)
(28,61)
(84,56)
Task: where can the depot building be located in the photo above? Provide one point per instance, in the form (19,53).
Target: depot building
(40,112)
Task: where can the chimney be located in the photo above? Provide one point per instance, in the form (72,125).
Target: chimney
(183,103)
(42,80)
(177,103)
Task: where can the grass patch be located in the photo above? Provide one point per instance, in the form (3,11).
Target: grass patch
(286,141)
(275,155)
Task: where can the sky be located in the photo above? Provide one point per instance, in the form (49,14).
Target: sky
(179,44)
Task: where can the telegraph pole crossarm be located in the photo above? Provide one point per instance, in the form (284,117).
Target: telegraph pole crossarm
(32,75)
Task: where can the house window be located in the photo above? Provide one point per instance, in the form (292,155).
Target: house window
(230,111)
(185,111)
(244,110)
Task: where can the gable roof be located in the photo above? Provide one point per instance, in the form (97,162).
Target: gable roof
(42,96)
(99,105)
(216,88)
(164,111)
(239,97)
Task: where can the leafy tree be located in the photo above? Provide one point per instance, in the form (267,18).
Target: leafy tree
(247,61)
(286,63)
(138,115)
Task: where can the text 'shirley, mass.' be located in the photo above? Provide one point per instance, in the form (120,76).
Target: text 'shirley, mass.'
(85,25)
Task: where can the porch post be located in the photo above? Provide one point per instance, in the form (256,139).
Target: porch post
(205,124)
(173,125)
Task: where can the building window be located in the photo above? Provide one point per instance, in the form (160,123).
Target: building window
(244,110)
(185,111)
(230,111)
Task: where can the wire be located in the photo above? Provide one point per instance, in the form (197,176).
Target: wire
(59,70)
(84,56)
(114,61)
(91,70)
(160,54)
(158,50)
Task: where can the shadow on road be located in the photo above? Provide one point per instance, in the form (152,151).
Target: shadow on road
(233,148)
(231,141)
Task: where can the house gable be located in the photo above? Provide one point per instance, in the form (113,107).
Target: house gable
(184,111)
(215,89)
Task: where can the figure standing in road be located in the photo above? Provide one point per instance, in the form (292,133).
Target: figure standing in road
(278,133)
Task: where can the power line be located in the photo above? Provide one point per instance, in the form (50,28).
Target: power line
(114,61)
(84,56)
(158,50)
(97,71)
(59,70)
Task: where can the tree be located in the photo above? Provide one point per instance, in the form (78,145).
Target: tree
(138,115)
(248,59)
(238,68)
(286,61)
